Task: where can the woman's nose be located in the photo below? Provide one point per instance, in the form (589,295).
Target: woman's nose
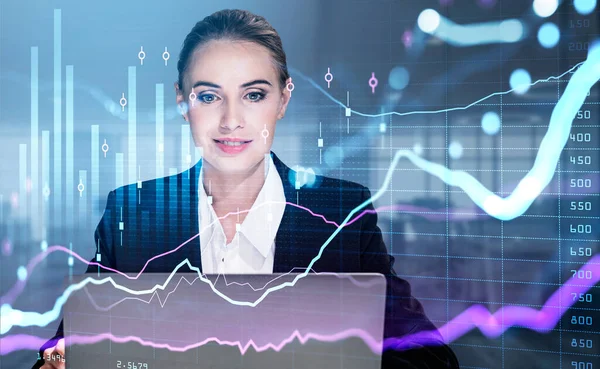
(232,116)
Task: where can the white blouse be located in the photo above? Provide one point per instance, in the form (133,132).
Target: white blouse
(252,249)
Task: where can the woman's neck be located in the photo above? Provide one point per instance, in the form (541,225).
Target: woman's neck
(231,191)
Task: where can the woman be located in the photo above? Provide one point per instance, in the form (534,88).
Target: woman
(233,87)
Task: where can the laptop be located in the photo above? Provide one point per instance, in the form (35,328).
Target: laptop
(182,320)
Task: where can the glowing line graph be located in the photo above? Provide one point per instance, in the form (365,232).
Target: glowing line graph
(19,285)
(438,111)
(477,316)
(162,303)
(502,208)
(24,341)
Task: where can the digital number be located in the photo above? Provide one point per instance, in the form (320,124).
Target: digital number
(582,274)
(580,137)
(54,357)
(581,297)
(581,205)
(132,365)
(581,159)
(581,320)
(584,114)
(578,46)
(579,23)
(582,343)
(582,365)
(581,251)
(581,182)
(581,228)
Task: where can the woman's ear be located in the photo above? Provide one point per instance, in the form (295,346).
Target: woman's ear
(286,95)
(181,103)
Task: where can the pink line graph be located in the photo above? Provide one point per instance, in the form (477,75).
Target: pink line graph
(477,316)
(19,285)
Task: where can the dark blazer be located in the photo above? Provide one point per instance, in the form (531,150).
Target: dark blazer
(148,218)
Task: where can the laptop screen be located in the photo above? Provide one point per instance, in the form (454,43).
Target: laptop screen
(315,320)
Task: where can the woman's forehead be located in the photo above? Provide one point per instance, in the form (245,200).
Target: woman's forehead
(226,61)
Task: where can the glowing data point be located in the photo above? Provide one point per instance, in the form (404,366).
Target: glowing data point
(166,56)
(399,78)
(44,245)
(105,147)
(584,7)
(123,102)
(328,80)
(455,150)
(407,38)
(429,20)
(548,35)
(520,81)
(290,88)
(7,248)
(22,273)
(70,261)
(418,149)
(80,188)
(545,8)
(193,97)
(490,123)
(265,133)
(373,82)
(141,55)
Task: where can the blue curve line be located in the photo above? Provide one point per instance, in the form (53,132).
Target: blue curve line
(505,31)
(502,208)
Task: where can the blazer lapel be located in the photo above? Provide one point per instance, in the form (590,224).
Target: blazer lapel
(285,254)
(298,235)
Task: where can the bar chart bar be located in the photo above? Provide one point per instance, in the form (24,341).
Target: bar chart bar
(160,130)
(82,190)
(57,170)
(45,182)
(23,181)
(160,161)
(119,176)
(132,149)
(132,126)
(34,144)
(186,157)
(69,181)
(95,180)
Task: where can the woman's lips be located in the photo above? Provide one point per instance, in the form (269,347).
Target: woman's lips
(232,149)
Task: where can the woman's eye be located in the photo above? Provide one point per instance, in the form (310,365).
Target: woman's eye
(207,98)
(255,96)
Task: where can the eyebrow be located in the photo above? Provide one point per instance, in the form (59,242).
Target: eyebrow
(247,84)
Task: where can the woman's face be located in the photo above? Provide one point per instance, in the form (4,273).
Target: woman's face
(237,97)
